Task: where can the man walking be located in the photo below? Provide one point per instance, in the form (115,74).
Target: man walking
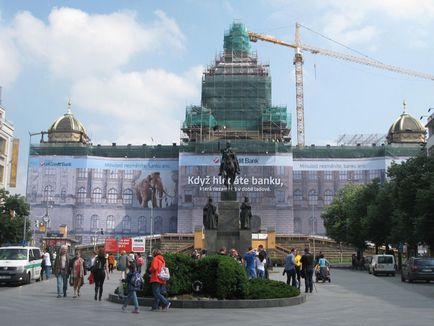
(307,269)
(61,267)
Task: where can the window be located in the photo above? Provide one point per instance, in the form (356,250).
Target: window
(328,175)
(129,174)
(78,222)
(48,193)
(94,221)
(81,195)
(297,175)
(110,224)
(312,197)
(343,175)
(142,224)
(297,225)
(173,225)
(82,173)
(2,146)
(96,195)
(158,225)
(374,174)
(63,195)
(254,197)
(298,196)
(2,171)
(126,224)
(127,197)
(112,196)
(188,196)
(280,196)
(312,175)
(113,174)
(358,175)
(281,170)
(328,197)
(50,171)
(98,173)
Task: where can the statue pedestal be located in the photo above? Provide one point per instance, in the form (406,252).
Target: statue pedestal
(228,233)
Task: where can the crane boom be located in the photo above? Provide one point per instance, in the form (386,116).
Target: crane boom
(298,62)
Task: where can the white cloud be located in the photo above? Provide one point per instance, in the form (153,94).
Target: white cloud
(76,44)
(145,104)
(10,65)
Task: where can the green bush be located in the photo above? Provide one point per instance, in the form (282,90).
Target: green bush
(269,289)
(222,278)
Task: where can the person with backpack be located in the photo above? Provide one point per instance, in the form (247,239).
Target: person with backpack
(100,270)
(157,283)
(134,283)
(139,262)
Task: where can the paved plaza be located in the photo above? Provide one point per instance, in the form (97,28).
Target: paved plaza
(352,298)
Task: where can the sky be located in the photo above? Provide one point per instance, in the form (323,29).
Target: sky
(131,68)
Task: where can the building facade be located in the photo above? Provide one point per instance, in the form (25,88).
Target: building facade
(141,190)
(8,152)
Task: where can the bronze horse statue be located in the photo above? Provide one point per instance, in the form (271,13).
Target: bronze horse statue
(229,172)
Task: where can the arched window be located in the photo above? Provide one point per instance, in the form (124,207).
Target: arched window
(298,226)
(328,197)
(142,224)
(298,196)
(110,224)
(126,224)
(48,193)
(312,197)
(94,222)
(158,225)
(78,222)
(173,224)
(96,195)
(112,196)
(81,195)
(127,197)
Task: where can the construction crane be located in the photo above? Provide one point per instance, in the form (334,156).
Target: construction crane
(298,62)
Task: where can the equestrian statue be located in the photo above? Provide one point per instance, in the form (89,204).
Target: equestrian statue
(229,166)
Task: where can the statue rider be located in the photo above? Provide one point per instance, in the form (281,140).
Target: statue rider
(228,152)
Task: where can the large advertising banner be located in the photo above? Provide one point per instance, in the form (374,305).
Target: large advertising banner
(123,196)
(265,179)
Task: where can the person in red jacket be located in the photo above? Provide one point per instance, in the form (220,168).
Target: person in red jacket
(157,284)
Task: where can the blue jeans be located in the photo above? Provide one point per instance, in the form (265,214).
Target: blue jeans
(261,274)
(158,297)
(291,277)
(131,295)
(251,273)
(62,283)
(47,270)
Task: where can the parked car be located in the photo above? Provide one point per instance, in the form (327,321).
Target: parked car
(418,268)
(382,264)
(20,264)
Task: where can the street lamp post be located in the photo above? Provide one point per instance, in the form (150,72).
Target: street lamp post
(152,218)
(95,237)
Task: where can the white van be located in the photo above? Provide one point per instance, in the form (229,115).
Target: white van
(382,264)
(20,264)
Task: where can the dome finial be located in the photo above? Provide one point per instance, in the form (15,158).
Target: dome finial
(69,106)
(404,104)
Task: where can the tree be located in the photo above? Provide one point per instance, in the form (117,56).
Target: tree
(14,210)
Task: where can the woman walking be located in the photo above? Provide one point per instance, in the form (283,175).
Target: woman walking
(77,272)
(100,270)
(157,284)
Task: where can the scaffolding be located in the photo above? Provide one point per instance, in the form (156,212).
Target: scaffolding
(236,98)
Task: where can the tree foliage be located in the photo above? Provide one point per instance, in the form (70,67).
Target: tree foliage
(14,210)
(398,211)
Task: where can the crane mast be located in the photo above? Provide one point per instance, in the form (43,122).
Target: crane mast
(298,62)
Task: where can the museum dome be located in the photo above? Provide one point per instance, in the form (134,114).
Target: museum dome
(406,129)
(67,129)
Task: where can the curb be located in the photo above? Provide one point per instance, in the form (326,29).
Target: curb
(221,304)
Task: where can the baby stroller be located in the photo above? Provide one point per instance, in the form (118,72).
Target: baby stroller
(322,274)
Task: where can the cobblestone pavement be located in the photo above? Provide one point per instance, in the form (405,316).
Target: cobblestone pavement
(352,298)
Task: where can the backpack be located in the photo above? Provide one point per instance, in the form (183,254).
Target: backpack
(98,265)
(137,281)
(164,274)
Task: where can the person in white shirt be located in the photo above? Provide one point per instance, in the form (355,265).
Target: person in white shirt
(260,263)
(47,265)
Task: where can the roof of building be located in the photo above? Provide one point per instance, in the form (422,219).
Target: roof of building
(406,129)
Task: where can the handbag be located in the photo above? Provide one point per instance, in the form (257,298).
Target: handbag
(91,278)
(164,274)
